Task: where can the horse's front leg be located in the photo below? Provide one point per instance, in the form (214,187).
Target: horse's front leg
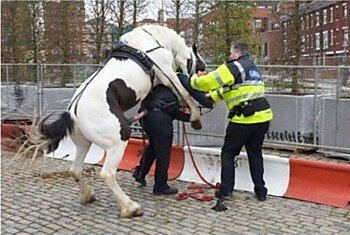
(178,89)
(195,113)
(114,155)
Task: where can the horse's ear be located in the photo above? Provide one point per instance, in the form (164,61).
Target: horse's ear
(194,49)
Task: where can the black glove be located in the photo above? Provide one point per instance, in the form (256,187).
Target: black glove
(219,207)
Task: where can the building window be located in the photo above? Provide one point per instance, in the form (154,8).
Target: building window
(325,16)
(307,42)
(336,12)
(307,21)
(302,23)
(266,49)
(317,18)
(331,15)
(331,37)
(311,20)
(325,39)
(311,41)
(258,23)
(317,41)
(303,43)
(345,10)
(345,36)
(276,26)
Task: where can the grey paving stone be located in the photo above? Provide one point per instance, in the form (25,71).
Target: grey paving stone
(34,205)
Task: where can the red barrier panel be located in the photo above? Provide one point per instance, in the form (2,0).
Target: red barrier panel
(9,132)
(321,182)
(132,157)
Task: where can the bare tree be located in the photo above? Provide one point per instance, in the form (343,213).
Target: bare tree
(99,16)
(16,37)
(178,9)
(291,27)
(35,11)
(121,10)
(201,7)
(15,32)
(64,22)
(138,7)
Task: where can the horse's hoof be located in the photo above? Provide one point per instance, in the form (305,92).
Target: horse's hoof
(129,214)
(138,212)
(197,125)
(85,199)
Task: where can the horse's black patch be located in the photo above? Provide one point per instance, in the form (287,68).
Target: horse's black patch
(189,65)
(200,65)
(120,98)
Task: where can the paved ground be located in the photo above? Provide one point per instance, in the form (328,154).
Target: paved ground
(49,204)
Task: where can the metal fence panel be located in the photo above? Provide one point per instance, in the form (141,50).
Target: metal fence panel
(335,122)
(316,116)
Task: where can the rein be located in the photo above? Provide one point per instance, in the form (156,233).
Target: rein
(77,98)
(159,45)
(197,190)
(155,64)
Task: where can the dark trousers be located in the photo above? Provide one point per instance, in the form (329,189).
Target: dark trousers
(252,137)
(158,126)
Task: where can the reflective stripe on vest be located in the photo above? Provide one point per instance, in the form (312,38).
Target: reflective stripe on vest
(244,97)
(241,70)
(258,117)
(218,78)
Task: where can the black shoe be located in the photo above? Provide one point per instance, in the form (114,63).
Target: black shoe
(220,195)
(167,191)
(261,197)
(136,175)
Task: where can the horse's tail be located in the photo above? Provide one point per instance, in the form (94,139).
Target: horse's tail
(54,132)
(46,137)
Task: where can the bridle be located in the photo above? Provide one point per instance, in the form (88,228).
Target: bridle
(156,65)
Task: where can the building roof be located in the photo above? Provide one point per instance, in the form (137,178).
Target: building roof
(319,4)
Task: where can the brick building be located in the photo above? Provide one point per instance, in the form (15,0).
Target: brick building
(64,24)
(324,32)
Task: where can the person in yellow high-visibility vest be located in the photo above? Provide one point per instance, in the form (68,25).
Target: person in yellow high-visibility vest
(239,83)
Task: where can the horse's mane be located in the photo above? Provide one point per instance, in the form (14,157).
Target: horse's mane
(167,37)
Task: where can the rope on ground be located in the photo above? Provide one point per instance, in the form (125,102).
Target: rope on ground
(195,189)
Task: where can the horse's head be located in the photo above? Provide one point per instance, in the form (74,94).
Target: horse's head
(195,63)
(199,62)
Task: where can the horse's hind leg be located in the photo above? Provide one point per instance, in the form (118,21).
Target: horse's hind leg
(114,155)
(87,194)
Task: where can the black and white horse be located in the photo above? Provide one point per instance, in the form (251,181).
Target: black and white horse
(96,111)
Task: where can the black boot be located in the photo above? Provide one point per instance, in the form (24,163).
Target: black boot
(167,191)
(137,176)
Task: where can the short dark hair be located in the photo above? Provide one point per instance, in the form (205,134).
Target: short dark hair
(242,47)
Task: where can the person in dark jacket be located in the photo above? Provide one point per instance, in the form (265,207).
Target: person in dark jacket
(163,107)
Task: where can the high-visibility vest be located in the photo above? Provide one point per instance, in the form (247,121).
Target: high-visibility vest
(235,82)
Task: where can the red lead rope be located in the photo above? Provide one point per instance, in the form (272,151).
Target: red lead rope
(196,189)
